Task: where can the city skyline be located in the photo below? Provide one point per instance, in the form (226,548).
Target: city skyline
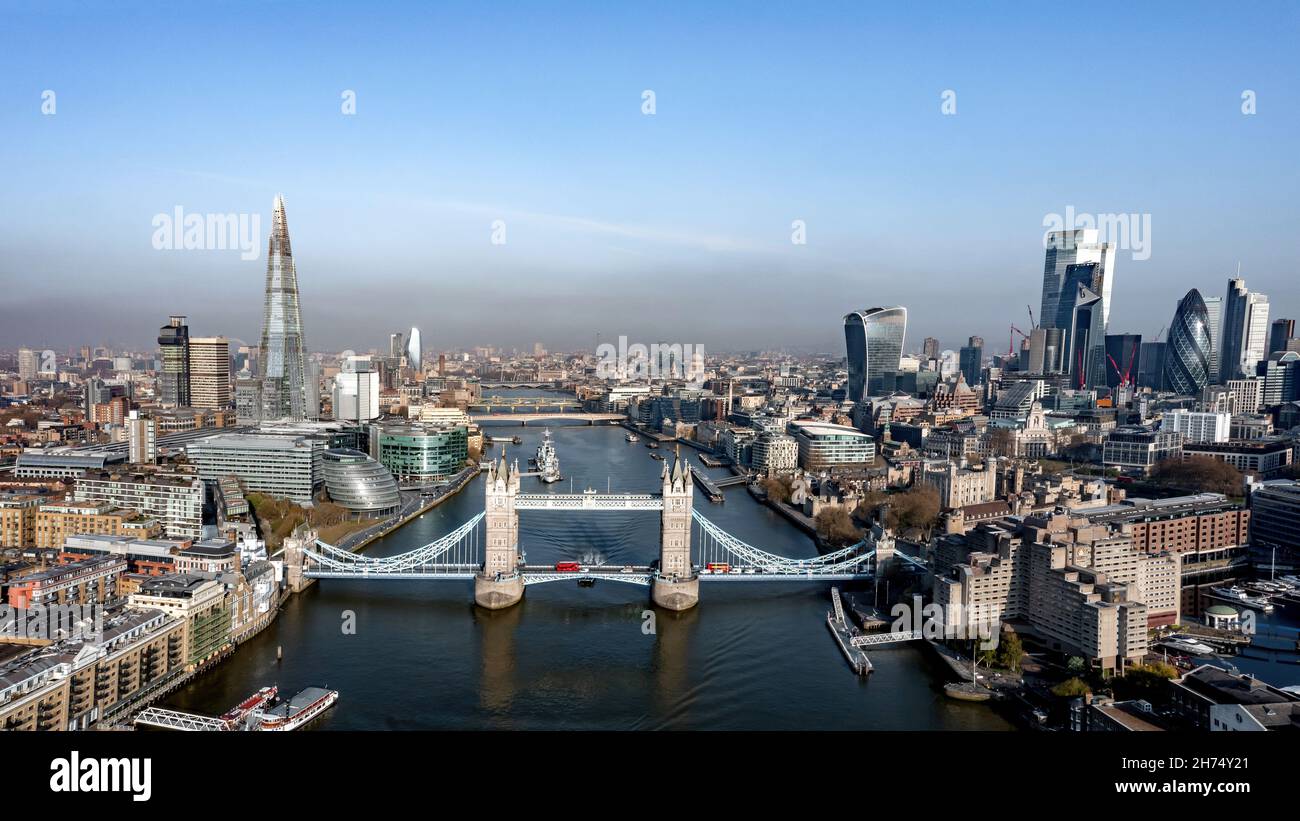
(604,197)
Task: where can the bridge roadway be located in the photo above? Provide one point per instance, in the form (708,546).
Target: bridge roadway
(543,573)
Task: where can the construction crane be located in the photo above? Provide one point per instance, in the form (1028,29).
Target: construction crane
(1011,339)
(1032,323)
(1125,376)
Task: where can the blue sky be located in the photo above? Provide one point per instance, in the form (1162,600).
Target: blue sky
(674,226)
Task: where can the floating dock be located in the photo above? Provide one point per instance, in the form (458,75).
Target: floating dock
(706,484)
(843,634)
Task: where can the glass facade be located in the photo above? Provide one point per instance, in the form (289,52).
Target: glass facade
(873,342)
(282,355)
(1187,352)
(417,453)
(174,346)
(1123,358)
(359,483)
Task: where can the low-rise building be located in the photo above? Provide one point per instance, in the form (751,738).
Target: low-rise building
(88,581)
(1211,698)
(196,599)
(824,446)
(1136,449)
(72,685)
(58,520)
(1261,457)
(174,499)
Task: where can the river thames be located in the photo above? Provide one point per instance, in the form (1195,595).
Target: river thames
(749,657)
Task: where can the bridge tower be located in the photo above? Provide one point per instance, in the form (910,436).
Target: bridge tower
(499,584)
(676,586)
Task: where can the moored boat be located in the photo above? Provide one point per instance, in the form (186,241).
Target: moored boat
(299,710)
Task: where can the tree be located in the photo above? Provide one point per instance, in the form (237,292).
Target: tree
(1071,688)
(1200,474)
(1149,682)
(1002,442)
(918,507)
(1076,665)
(835,526)
(777,489)
(1010,651)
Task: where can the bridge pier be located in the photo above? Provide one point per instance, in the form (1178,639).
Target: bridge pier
(675,594)
(498,594)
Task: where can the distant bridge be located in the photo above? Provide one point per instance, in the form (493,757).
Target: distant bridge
(525,418)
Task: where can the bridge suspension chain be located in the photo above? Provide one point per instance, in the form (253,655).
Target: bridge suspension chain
(719,546)
(460,547)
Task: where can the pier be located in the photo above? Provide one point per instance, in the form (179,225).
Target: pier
(843,634)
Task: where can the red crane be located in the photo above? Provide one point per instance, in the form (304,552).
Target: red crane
(1126,376)
(1011,339)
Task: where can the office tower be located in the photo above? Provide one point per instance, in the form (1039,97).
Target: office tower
(930,348)
(1065,249)
(413,350)
(282,358)
(1187,353)
(174,345)
(248,401)
(142,439)
(395,345)
(311,391)
(356,391)
(1086,342)
(96,393)
(1245,331)
(210,372)
(1214,310)
(1279,376)
(971,360)
(874,342)
(1123,359)
(1280,333)
(28,364)
(1151,366)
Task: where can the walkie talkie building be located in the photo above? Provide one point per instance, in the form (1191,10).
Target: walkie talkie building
(873,343)
(282,362)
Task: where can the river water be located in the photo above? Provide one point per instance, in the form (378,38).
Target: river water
(749,657)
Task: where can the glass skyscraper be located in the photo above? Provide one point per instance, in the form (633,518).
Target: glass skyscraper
(1187,352)
(282,354)
(174,380)
(1245,331)
(873,341)
(1214,309)
(1067,250)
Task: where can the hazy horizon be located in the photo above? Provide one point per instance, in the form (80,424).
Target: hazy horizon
(669,226)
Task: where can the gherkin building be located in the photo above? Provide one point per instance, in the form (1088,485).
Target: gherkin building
(1187,354)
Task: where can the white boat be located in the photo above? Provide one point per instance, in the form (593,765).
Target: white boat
(632,437)
(548,464)
(297,711)
(1239,595)
(1186,644)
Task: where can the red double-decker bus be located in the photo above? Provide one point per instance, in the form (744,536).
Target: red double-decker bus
(568,567)
(719,567)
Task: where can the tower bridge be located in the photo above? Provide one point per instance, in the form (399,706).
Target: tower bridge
(485,549)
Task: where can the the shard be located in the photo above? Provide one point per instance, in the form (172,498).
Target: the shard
(282,358)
